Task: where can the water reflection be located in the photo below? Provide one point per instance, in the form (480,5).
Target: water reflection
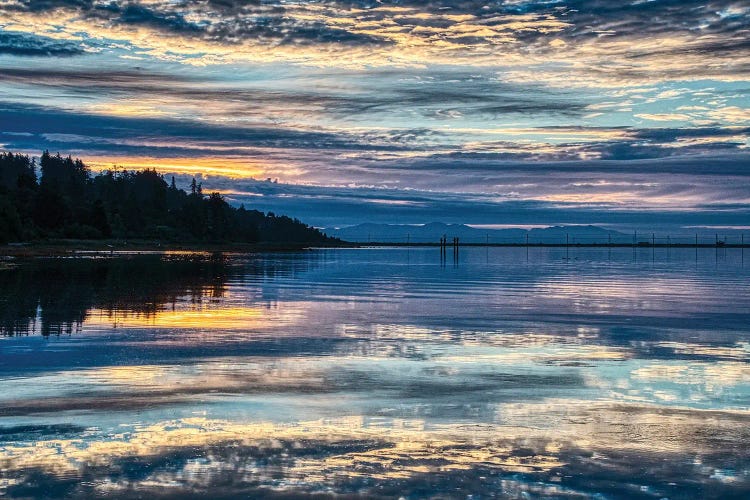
(364,372)
(53,296)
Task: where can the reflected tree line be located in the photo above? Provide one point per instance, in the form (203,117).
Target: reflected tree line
(54,296)
(67,201)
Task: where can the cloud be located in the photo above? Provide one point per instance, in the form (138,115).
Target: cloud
(25,44)
(414,33)
(731,114)
(123,129)
(220,22)
(654,193)
(667,135)
(286,31)
(663,117)
(406,93)
(172,133)
(401,173)
(141,15)
(470,98)
(48,5)
(91,79)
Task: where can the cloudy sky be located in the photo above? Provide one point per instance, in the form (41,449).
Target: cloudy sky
(505,112)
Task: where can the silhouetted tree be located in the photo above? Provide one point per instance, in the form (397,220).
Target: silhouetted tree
(218,217)
(10,221)
(51,210)
(98,219)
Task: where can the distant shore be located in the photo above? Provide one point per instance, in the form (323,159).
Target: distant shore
(554,245)
(54,248)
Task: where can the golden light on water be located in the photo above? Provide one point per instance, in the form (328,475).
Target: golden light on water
(201,317)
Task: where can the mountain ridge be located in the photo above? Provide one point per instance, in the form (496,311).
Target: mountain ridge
(433,231)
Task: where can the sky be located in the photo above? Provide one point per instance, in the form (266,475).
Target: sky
(507,112)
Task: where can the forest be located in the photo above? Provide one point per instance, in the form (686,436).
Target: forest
(65,201)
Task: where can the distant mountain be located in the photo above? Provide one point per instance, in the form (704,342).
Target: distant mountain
(432,232)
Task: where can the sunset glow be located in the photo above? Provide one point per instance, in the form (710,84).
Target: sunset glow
(438,102)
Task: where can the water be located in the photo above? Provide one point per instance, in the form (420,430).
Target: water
(512,372)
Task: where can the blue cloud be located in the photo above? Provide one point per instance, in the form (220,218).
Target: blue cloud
(26,44)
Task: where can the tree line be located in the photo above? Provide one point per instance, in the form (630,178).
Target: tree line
(66,201)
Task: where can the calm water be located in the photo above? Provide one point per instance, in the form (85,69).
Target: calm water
(378,372)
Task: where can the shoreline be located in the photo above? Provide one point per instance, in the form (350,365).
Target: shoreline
(554,245)
(60,248)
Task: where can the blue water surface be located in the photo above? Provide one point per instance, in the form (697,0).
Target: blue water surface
(377,372)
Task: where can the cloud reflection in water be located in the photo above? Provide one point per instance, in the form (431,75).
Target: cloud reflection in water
(363,373)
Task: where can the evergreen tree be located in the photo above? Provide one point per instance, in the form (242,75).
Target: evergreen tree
(67,201)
